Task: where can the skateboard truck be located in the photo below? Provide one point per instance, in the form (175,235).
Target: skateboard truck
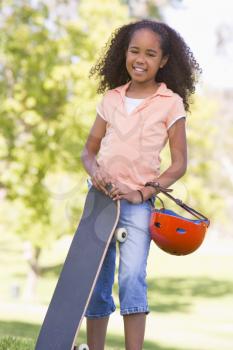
(81,347)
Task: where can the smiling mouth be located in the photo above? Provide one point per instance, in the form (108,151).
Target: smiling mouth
(139,69)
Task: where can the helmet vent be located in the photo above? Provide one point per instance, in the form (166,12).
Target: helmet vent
(181,231)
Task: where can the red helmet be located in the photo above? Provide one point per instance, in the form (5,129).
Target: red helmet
(174,233)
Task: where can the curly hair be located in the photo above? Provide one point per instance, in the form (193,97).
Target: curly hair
(180,73)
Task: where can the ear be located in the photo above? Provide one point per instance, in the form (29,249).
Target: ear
(163,61)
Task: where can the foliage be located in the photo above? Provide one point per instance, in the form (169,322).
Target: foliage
(11,343)
(44,112)
(47,106)
(34,82)
(149,8)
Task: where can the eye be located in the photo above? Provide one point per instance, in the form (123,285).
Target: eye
(133,51)
(151,54)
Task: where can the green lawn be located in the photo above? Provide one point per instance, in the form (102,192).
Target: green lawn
(191,299)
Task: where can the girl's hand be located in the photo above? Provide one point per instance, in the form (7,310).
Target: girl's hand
(118,188)
(132,197)
(121,191)
(100,178)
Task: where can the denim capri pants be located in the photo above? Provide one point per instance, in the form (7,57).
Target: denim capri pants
(133,254)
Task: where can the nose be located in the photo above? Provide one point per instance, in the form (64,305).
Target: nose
(140,59)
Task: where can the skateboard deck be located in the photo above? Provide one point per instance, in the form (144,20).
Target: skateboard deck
(80,272)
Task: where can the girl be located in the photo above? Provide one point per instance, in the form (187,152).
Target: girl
(149,73)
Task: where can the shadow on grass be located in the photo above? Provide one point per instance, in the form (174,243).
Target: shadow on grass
(116,342)
(19,330)
(178,294)
(25,330)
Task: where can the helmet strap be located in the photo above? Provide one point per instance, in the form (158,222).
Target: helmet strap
(179,202)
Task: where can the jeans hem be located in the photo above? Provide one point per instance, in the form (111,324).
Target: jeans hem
(135,310)
(92,316)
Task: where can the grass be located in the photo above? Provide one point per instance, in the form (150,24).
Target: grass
(12,343)
(190,298)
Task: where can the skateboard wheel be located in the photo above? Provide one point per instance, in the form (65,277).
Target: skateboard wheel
(83,347)
(121,234)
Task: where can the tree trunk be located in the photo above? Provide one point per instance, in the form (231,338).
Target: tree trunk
(32,255)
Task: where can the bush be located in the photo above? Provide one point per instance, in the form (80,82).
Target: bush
(10,343)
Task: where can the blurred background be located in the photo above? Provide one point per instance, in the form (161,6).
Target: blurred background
(47,105)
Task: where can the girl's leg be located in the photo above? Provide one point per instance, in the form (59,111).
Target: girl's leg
(132,272)
(101,304)
(134,326)
(96,333)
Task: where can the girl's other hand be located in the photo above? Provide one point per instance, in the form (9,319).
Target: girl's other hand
(118,188)
(132,197)
(100,178)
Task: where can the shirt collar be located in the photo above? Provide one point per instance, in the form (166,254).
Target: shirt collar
(161,91)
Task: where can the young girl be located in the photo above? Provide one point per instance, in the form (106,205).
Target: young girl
(148,74)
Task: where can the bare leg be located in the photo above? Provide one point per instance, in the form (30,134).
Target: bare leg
(96,333)
(134,326)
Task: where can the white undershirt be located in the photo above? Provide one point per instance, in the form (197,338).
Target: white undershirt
(132,103)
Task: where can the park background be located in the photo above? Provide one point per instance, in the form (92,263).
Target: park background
(47,105)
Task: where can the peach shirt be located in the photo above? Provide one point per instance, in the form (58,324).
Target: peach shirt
(132,144)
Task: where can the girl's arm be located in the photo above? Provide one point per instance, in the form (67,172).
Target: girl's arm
(98,176)
(178,151)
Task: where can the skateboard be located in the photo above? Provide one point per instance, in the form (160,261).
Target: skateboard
(80,272)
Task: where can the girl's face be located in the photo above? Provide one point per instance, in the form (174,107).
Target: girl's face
(144,56)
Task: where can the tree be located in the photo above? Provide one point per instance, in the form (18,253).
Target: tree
(47,104)
(149,8)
